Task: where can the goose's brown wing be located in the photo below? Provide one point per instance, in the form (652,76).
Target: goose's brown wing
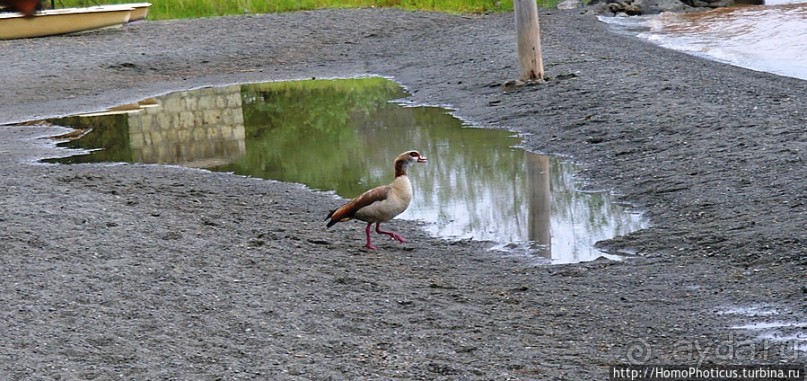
(348,210)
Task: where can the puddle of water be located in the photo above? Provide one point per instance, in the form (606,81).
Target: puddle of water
(749,311)
(772,327)
(341,135)
(771,38)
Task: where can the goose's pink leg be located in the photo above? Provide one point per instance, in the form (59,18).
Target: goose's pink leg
(378,230)
(369,245)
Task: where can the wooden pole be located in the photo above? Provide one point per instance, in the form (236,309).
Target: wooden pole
(529,40)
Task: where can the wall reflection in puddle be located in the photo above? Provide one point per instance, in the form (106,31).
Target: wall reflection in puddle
(341,135)
(199,128)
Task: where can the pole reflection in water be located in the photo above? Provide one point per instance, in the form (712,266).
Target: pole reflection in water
(540,204)
(342,135)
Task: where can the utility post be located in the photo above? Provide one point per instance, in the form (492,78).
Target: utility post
(529,40)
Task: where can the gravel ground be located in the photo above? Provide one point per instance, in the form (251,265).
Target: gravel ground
(145,272)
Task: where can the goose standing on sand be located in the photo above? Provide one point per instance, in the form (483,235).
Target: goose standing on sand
(383,203)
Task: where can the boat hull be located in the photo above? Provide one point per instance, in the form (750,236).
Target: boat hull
(62,21)
(140,11)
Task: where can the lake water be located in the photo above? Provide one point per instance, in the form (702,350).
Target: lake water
(342,135)
(770,38)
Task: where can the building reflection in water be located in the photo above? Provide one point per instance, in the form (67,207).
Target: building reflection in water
(197,128)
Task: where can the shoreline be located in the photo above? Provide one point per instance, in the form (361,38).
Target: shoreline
(150,271)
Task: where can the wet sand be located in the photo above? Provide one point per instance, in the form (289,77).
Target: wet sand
(154,272)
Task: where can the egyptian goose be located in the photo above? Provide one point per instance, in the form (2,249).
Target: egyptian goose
(383,203)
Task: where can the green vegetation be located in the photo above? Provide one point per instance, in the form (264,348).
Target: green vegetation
(315,131)
(108,139)
(173,9)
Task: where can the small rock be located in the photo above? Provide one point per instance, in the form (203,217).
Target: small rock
(512,85)
(570,4)
(442,286)
(465,349)
(171,236)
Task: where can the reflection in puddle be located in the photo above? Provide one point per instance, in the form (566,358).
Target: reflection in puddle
(200,128)
(341,135)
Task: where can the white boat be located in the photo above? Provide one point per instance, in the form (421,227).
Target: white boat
(52,22)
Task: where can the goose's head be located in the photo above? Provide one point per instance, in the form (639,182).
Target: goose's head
(404,160)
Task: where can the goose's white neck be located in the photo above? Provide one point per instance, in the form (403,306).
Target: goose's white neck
(402,188)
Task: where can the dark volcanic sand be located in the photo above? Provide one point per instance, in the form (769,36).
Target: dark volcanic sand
(148,272)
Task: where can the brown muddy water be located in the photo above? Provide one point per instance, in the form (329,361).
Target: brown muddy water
(341,135)
(770,38)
